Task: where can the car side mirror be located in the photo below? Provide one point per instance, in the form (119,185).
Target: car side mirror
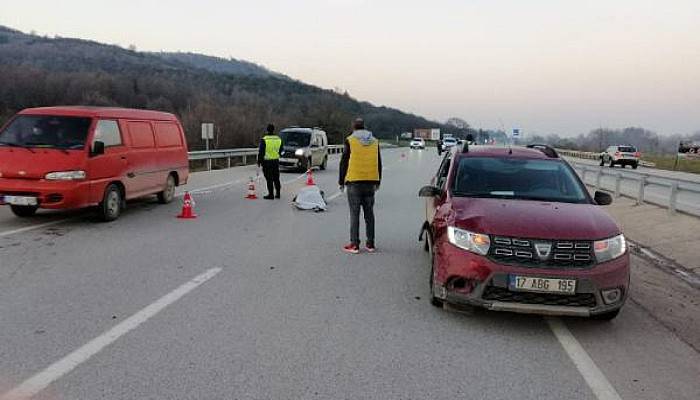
(429,191)
(98,148)
(602,198)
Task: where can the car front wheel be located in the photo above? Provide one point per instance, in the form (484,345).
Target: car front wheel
(24,211)
(431,253)
(111,205)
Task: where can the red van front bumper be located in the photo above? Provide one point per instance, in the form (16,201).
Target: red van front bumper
(462,277)
(49,194)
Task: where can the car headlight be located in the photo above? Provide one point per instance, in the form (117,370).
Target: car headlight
(66,176)
(475,242)
(610,249)
(299,152)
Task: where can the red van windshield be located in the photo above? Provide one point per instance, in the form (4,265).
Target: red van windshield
(67,133)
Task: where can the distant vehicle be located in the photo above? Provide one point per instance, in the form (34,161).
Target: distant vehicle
(516,230)
(304,148)
(620,155)
(448,142)
(417,143)
(76,157)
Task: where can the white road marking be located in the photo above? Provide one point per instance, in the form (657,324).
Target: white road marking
(594,377)
(34,227)
(53,372)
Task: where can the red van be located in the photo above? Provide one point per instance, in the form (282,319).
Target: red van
(75,157)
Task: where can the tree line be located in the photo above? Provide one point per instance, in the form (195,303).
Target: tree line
(39,71)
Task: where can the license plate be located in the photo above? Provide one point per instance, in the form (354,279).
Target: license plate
(542,285)
(288,160)
(19,200)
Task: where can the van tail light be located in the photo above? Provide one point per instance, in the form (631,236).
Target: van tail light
(617,154)
(638,154)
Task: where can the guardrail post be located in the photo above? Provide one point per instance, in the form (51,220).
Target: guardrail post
(618,180)
(672,199)
(208,164)
(229,162)
(245,160)
(640,195)
(597,178)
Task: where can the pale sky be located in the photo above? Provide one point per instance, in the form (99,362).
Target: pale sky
(545,66)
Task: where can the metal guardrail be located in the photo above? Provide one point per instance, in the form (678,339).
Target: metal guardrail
(675,187)
(242,153)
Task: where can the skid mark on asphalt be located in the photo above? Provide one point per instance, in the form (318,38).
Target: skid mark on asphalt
(53,372)
(34,227)
(594,377)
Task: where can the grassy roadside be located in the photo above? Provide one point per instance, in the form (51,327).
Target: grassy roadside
(667,162)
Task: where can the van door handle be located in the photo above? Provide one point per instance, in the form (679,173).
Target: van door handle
(123,157)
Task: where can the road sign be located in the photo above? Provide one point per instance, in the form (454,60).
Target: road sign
(516,132)
(207,131)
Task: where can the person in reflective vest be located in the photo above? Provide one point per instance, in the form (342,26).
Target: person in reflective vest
(361,174)
(269,159)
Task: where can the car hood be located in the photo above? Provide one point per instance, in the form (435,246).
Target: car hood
(22,163)
(533,219)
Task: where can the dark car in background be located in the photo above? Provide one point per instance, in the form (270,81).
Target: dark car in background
(516,230)
(304,148)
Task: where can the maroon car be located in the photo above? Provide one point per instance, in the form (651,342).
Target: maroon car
(516,230)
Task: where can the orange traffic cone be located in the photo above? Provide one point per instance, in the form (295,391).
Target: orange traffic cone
(187,207)
(251,190)
(310,178)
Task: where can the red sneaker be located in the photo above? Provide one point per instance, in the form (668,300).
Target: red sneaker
(370,248)
(351,248)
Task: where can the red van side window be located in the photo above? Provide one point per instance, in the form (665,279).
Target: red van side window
(141,135)
(168,134)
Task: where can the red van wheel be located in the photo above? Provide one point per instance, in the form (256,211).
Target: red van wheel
(111,205)
(24,211)
(168,194)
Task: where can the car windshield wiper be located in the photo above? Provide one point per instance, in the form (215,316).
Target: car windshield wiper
(17,145)
(47,146)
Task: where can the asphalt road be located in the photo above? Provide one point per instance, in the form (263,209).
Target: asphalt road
(255,300)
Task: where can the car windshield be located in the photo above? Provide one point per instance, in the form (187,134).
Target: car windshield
(66,133)
(520,179)
(627,149)
(296,138)
(450,140)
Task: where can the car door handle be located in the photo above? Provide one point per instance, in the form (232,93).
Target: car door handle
(123,157)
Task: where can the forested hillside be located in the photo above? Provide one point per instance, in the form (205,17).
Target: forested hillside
(240,97)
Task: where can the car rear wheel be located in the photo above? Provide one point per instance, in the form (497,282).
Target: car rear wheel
(608,316)
(111,205)
(612,163)
(168,193)
(431,253)
(635,165)
(24,211)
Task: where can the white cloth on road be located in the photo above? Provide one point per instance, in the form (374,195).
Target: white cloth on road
(310,198)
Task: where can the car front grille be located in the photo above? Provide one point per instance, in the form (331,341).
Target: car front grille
(533,252)
(494,293)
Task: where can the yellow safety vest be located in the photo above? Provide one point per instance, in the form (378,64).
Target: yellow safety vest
(272,147)
(364,161)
